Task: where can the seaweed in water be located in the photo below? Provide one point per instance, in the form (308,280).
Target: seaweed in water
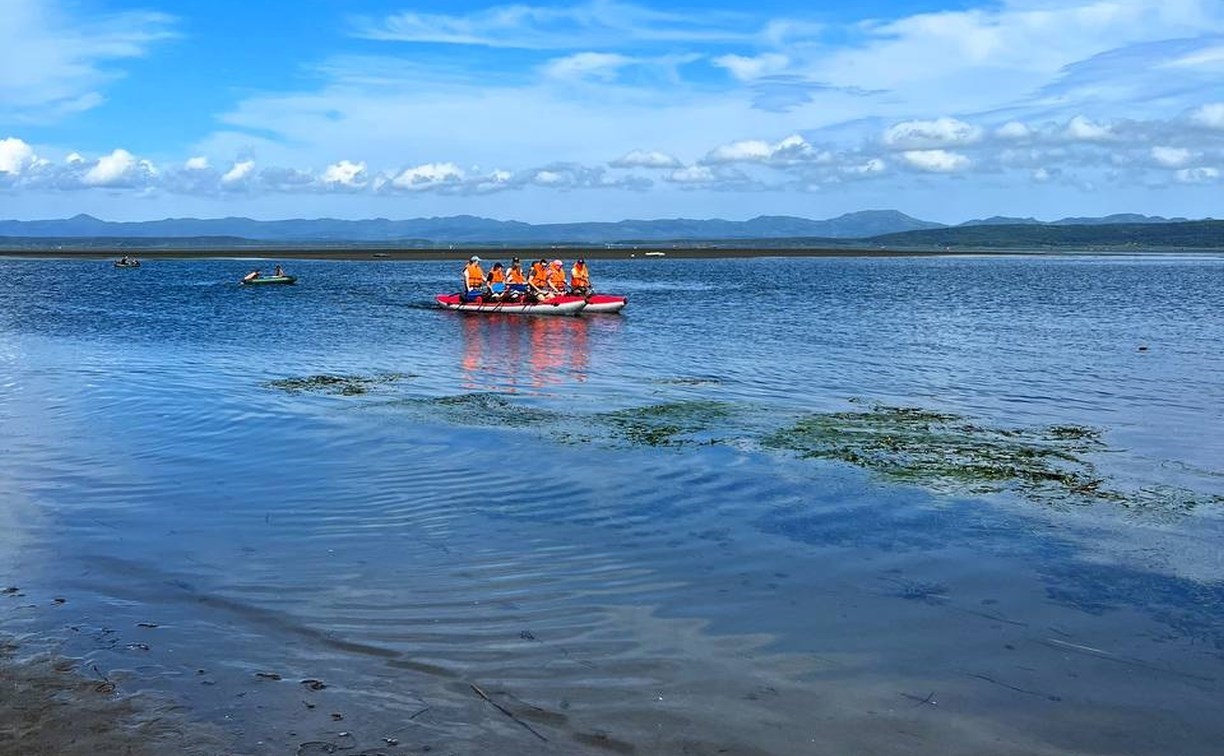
(487,408)
(945,452)
(344,385)
(665,424)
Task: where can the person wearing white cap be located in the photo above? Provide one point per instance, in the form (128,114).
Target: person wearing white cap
(473,279)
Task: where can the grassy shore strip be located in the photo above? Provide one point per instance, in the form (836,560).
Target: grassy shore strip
(390,254)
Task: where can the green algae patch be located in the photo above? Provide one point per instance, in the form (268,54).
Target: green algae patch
(670,424)
(946,452)
(488,409)
(343,385)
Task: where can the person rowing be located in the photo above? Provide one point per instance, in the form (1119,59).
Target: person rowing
(516,282)
(556,279)
(251,276)
(580,279)
(497,281)
(473,279)
(537,282)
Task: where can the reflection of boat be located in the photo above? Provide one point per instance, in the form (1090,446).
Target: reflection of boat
(127,263)
(507,353)
(605,303)
(563,305)
(269,280)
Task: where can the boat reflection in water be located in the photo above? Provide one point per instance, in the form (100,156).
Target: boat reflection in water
(515,353)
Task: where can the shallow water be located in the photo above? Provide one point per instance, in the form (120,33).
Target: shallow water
(472,501)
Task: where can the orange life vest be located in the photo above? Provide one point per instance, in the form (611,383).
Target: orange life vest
(473,275)
(539,276)
(580,276)
(556,277)
(515,276)
(497,275)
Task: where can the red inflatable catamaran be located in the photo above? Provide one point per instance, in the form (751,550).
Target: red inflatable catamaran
(560,305)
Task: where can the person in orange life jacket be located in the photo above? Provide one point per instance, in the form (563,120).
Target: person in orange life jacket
(556,278)
(473,279)
(580,279)
(497,281)
(516,282)
(538,280)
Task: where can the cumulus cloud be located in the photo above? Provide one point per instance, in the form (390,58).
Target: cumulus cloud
(645,159)
(427,176)
(1013,130)
(936,161)
(118,169)
(872,167)
(1082,129)
(1201,175)
(1210,116)
(345,174)
(924,135)
(238,172)
(196,164)
(693,174)
(15,156)
(1171,157)
(792,149)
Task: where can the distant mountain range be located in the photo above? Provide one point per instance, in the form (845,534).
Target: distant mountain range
(867,228)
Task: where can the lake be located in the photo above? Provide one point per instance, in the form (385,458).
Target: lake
(955,505)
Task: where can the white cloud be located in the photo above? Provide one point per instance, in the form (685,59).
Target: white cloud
(872,167)
(746,68)
(921,135)
(936,161)
(598,23)
(1171,157)
(1082,129)
(645,159)
(792,149)
(15,156)
(1013,130)
(428,176)
(345,174)
(1210,116)
(118,169)
(693,174)
(74,158)
(239,171)
(53,63)
(196,164)
(587,65)
(1203,175)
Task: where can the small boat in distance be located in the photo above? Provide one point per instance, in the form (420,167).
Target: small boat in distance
(269,280)
(127,262)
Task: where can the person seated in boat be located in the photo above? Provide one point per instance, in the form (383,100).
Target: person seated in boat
(516,282)
(497,281)
(251,276)
(473,279)
(580,279)
(556,279)
(537,282)
(280,273)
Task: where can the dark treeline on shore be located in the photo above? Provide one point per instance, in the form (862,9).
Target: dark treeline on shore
(1203,235)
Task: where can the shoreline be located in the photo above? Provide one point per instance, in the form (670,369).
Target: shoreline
(384,254)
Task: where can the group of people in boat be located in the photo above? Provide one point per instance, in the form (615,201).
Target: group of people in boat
(127,262)
(541,282)
(278,273)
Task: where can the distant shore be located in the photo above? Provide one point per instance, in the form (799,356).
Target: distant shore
(526,253)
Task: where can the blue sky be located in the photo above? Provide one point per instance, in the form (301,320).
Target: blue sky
(604,109)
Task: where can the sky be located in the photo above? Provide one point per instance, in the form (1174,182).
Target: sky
(607,109)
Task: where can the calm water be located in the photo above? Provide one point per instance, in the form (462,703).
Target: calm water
(471,523)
